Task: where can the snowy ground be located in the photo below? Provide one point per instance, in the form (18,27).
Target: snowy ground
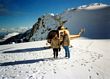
(89,60)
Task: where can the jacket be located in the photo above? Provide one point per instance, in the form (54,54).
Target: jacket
(61,34)
(55,43)
(66,40)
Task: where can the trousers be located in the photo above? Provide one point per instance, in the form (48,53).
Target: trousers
(67,51)
(55,52)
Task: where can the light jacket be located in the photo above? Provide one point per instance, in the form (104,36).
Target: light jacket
(55,43)
(66,40)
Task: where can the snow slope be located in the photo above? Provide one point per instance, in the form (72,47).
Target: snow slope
(94,18)
(89,60)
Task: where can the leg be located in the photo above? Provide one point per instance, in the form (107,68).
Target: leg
(68,52)
(54,53)
(65,48)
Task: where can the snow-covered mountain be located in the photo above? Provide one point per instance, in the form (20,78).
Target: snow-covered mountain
(95,18)
(14,29)
(10,35)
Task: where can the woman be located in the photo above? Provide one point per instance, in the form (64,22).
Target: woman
(55,44)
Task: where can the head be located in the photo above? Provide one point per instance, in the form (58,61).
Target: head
(61,27)
(66,32)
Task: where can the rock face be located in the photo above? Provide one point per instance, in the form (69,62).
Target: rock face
(41,29)
(95,18)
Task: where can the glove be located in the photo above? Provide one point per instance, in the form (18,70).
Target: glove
(59,49)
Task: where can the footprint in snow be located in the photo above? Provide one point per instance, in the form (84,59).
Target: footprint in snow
(90,77)
(83,64)
(89,70)
(72,65)
(97,73)
(91,67)
(54,71)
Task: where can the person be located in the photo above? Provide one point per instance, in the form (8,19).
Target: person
(55,44)
(64,36)
(66,43)
(61,30)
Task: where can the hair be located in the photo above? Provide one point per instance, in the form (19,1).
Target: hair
(66,32)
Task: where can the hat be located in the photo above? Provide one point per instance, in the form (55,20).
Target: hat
(62,27)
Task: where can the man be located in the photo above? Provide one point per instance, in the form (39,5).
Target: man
(66,43)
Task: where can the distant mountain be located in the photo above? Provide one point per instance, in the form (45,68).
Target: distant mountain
(95,18)
(10,35)
(14,29)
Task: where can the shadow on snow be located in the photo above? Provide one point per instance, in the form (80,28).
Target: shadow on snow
(27,61)
(27,50)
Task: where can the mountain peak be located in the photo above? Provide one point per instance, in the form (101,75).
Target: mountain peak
(96,6)
(92,6)
(52,14)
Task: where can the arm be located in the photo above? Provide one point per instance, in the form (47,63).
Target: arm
(74,36)
(77,35)
(82,30)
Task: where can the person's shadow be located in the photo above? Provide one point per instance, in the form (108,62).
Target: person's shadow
(27,61)
(26,50)
(23,62)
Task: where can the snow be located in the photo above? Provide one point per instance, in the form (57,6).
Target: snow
(16,29)
(96,7)
(10,35)
(89,60)
(52,14)
(93,6)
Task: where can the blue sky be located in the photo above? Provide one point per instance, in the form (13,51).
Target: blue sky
(24,13)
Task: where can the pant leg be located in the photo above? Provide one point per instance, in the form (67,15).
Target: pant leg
(57,52)
(65,50)
(54,53)
(68,52)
